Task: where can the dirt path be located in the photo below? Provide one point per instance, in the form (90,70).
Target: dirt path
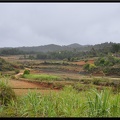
(22,87)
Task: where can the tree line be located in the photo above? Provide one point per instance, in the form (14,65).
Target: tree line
(72,55)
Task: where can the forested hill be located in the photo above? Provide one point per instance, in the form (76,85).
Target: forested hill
(71,47)
(56,48)
(51,48)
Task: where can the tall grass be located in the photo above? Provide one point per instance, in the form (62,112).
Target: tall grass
(66,103)
(6,92)
(115,106)
(63,104)
(99,104)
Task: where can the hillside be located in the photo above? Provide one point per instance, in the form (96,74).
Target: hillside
(44,48)
(54,48)
(5,66)
(71,47)
(50,48)
(75,45)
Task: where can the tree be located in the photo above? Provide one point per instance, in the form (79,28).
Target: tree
(115,48)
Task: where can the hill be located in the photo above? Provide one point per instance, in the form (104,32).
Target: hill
(5,66)
(53,48)
(75,45)
(50,48)
(71,47)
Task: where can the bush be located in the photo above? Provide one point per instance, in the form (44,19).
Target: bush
(89,67)
(26,72)
(92,67)
(6,92)
(106,70)
(86,67)
(107,61)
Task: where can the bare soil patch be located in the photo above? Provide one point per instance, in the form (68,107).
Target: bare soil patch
(24,84)
(22,87)
(83,62)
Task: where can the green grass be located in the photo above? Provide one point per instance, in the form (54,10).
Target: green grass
(66,103)
(99,104)
(69,102)
(40,77)
(6,92)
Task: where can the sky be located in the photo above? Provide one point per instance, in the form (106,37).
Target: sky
(36,24)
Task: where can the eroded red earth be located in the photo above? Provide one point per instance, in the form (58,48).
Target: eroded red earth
(83,62)
(22,87)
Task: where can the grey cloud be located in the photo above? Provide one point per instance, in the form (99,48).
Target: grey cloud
(34,24)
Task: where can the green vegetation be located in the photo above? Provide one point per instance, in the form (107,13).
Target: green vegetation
(26,72)
(40,77)
(109,65)
(115,48)
(66,103)
(75,96)
(102,105)
(89,67)
(107,61)
(6,92)
(5,66)
(10,51)
(63,52)
(82,87)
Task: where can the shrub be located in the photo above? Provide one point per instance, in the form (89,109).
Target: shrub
(86,67)
(92,67)
(89,67)
(107,61)
(6,92)
(106,70)
(26,72)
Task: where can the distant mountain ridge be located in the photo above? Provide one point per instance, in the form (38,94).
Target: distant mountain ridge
(54,47)
(50,48)
(74,45)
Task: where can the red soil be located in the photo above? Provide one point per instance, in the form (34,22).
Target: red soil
(22,87)
(83,62)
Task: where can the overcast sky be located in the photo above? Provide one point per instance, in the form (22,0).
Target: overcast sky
(36,24)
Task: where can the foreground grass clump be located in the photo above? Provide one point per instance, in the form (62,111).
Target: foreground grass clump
(40,77)
(66,103)
(99,104)
(6,92)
